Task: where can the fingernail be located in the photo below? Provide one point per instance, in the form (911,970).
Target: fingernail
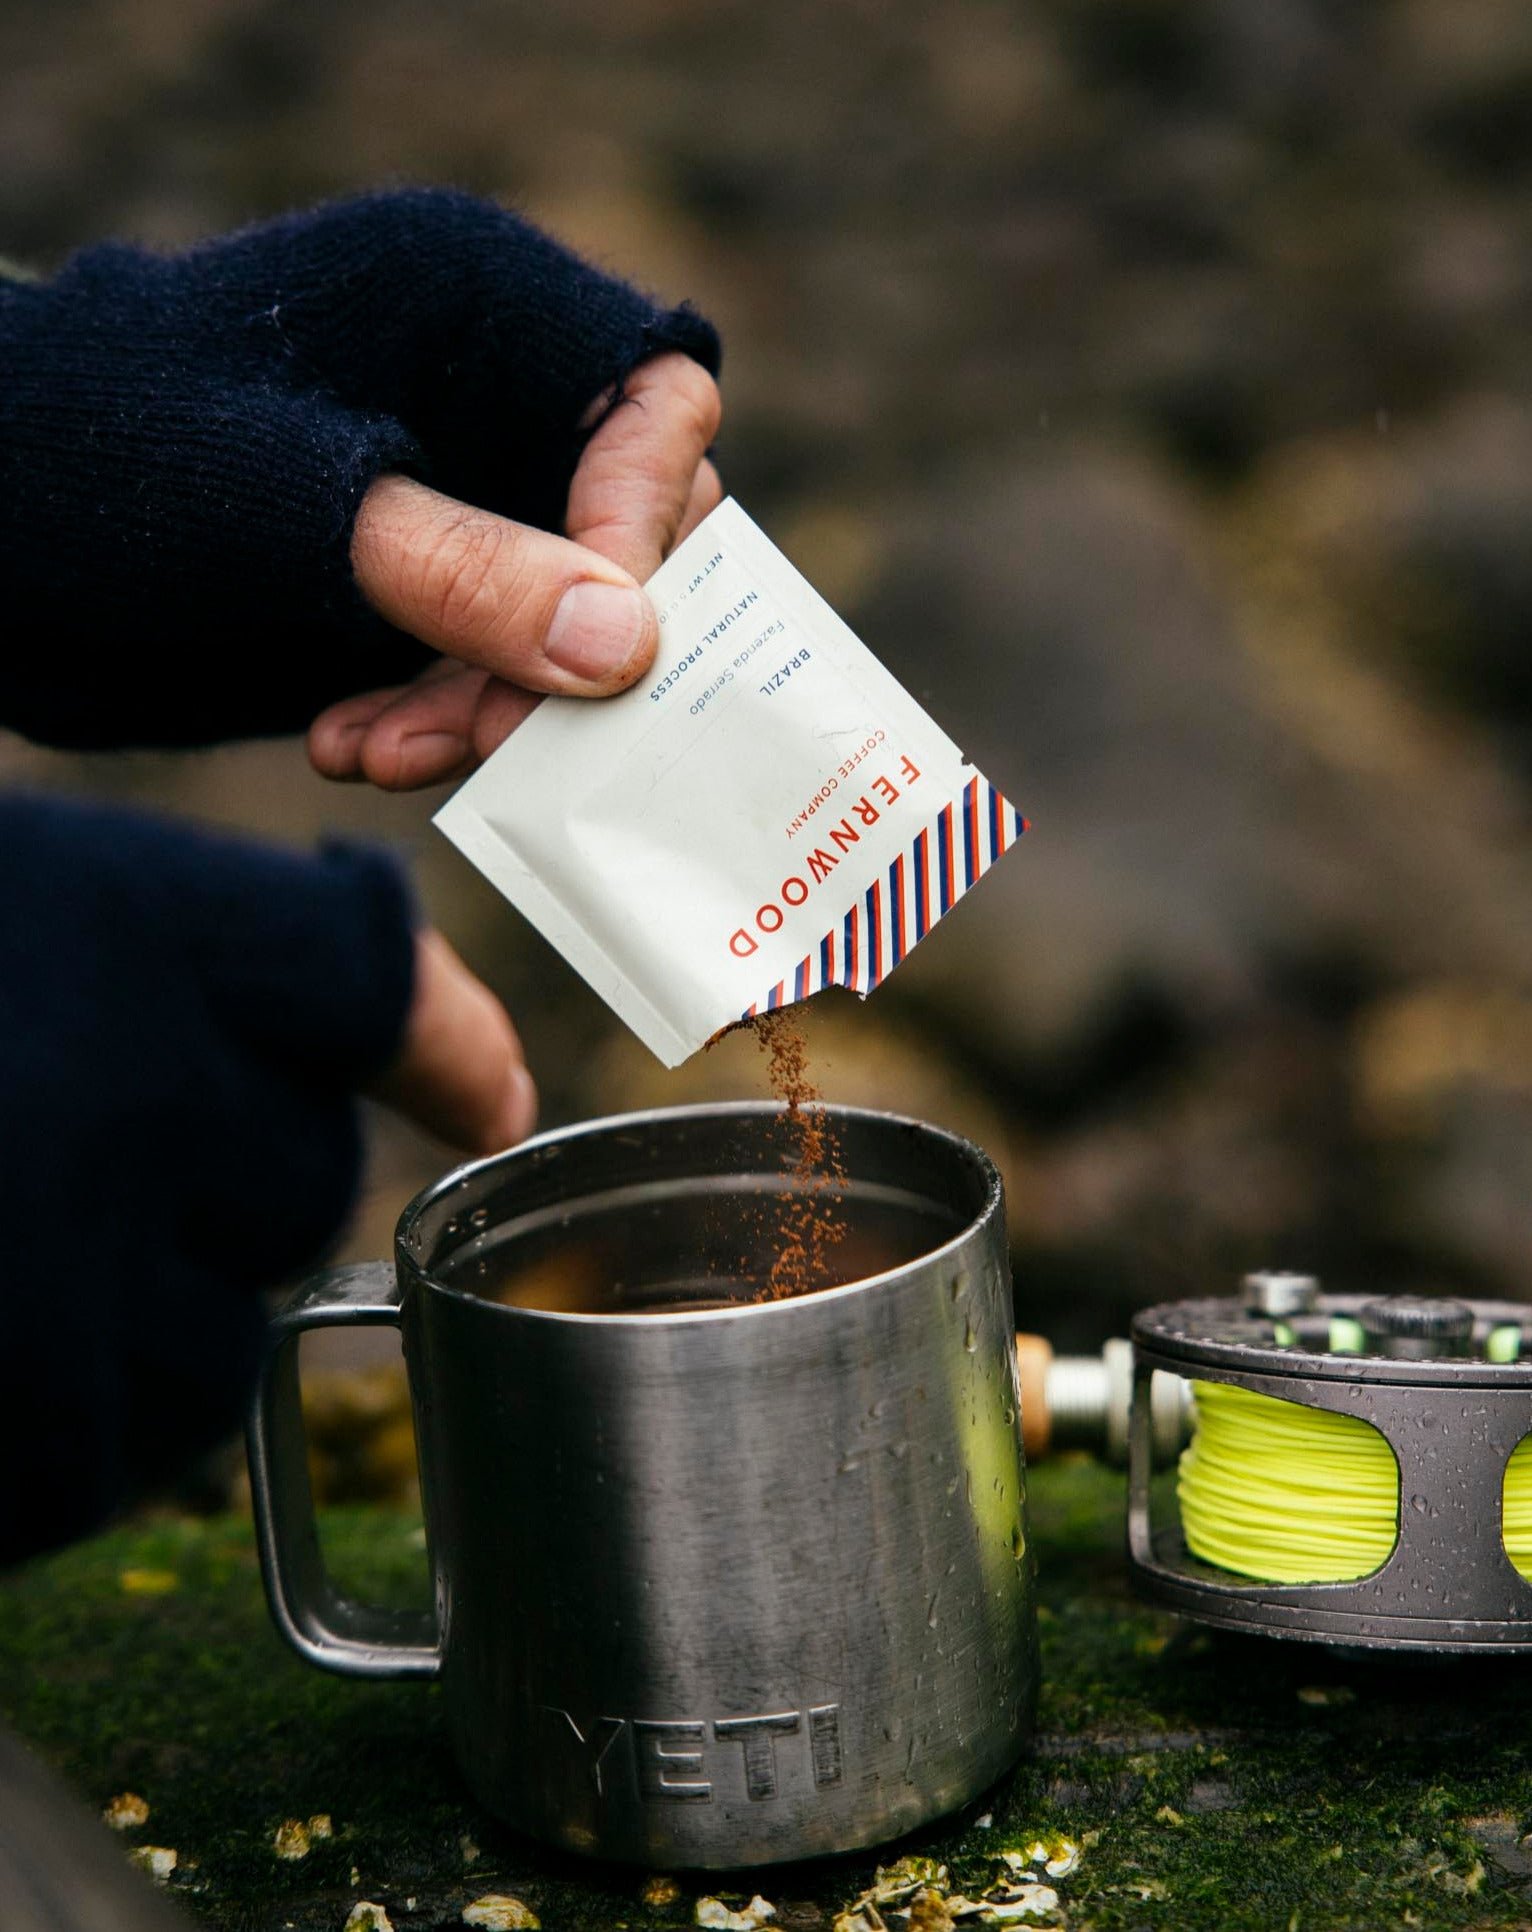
(596,629)
(341,740)
(433,748)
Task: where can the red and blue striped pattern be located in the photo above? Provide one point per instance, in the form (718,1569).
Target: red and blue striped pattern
(896,912)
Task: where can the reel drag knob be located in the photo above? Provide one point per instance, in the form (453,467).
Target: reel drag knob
(1417,1328)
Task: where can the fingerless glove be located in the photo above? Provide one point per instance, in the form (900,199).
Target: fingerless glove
(184,1019)
(185,440)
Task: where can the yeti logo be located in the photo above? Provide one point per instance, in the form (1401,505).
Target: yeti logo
(679,1759)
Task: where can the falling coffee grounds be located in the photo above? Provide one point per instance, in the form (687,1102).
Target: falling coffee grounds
(795,1227)
(811,1220)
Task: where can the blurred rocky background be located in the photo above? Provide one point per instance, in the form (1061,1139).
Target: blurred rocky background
(1148,381)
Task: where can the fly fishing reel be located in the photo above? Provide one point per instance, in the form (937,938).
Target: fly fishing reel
(1360,1471)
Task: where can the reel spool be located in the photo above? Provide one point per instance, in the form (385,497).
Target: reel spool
(1318,1528)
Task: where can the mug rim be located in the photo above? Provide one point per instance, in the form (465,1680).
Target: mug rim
(410,1270)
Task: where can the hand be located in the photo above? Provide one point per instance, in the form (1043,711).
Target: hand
(158,523)
(196,1014)
(460,1073)
(515,611)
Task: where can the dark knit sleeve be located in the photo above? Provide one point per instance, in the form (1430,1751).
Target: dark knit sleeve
(185,441)
(184,1019)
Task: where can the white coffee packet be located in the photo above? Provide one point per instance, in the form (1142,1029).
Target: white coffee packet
(766,813)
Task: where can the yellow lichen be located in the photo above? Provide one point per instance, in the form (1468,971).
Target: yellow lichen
(292,1839)
(126,1812)
(148,1583)
(713,1913)
(929,1911)
(159,1861)
(498,1912)
(367,1917)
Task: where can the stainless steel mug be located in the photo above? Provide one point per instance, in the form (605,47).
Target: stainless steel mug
(717,1583)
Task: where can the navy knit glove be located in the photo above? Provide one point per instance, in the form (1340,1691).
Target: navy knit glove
(184,1019)
(185,440)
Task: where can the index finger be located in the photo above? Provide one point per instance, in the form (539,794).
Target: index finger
(636,476)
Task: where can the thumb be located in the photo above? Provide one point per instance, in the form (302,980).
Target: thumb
(533,609)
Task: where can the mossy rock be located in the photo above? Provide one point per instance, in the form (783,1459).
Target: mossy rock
(1212,1781)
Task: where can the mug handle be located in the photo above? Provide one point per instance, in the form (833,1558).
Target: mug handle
(354,1639)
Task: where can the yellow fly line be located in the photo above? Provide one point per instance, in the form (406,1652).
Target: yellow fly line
(1517,1505)
(1288,1494)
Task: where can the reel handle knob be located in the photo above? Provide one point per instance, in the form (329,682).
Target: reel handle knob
(1277,1293)
(1084,1401)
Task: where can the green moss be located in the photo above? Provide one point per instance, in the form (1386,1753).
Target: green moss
(1206,1790)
